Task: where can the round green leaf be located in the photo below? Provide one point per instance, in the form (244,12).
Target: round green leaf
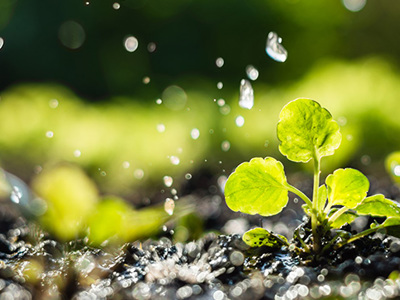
(257,187)
(258,237)
(306,131)
(347,187)
(379,206)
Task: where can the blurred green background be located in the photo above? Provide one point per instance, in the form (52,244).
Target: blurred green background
(71,92)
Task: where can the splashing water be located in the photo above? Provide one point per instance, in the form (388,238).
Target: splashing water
(169,206)
(246,97)
(252,73)
(131,43)
(168,181)
(195,133)
(20,194)
(239,121)
(274,48)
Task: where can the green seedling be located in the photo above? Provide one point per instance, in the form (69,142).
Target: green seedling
(306,132)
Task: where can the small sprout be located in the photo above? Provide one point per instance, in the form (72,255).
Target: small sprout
(306,131)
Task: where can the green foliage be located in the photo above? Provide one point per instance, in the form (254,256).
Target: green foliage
(254,182)
(306,131)
(347,187)
(74,209)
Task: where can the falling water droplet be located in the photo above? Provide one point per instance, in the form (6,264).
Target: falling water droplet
(354,5)
(138,174)
(146,80)
(175,160)
(225,146)
(221,182)
(221,102)
(220,85)
(53,103)
(22,196)
(160,127)
(72,35)
(396,170)
(49,134)
(116,6)
(219,62)
(195,133)
(151,47)
(252,72)
(169,206)
(188,176)
(168,181)
(1,42)
(225,110)
(158,101)
(126,164)
(274,48)
(77,153)
(246,97)
(239,121)
(131,43)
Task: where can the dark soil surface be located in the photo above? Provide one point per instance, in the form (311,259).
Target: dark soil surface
(215,266)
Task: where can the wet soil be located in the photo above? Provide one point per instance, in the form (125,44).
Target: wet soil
(215,266)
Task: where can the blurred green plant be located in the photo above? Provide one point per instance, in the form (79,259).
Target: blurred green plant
(75,210)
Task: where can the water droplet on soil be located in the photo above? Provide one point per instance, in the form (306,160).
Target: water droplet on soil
(274,48)
(246,96)
(252,73)
(169,206)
